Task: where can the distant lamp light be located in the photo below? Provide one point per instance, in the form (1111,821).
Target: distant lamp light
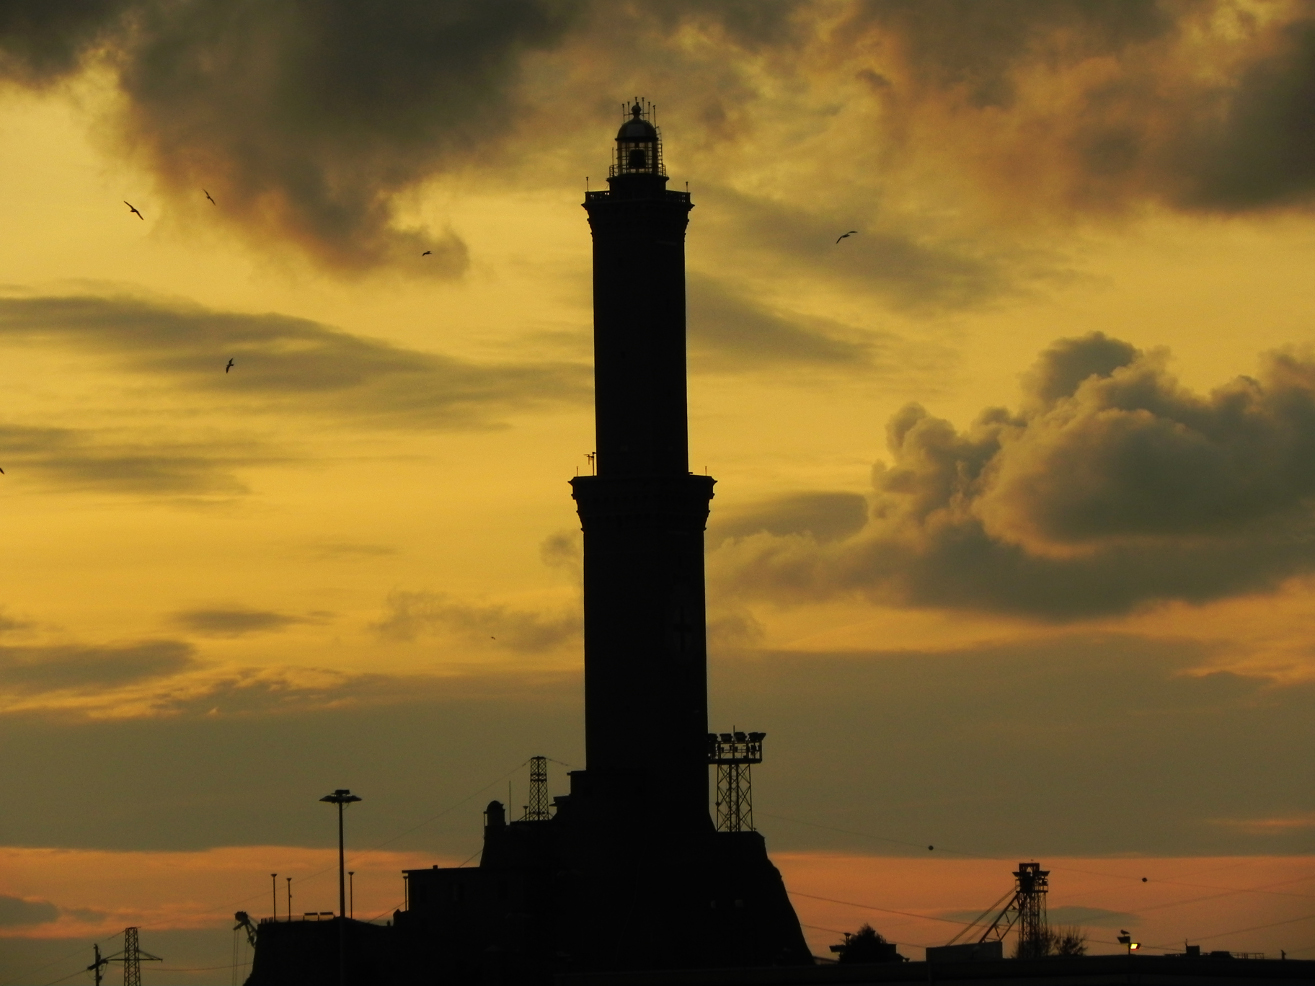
(1133,946)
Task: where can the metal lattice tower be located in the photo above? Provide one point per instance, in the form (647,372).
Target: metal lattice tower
(537,809)
(1026,909)
(733,754)
(1032,884)
(132,958)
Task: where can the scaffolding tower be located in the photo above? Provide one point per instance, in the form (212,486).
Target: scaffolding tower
(537,809)
(734,753)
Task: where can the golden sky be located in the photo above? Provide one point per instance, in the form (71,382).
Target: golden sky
(1011,545)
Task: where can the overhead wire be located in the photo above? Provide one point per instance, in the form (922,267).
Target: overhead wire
(62,958)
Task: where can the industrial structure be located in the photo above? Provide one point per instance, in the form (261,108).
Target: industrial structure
(1024,909)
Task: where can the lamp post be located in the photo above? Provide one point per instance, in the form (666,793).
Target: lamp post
(274,892)
(341,797)
(351,894)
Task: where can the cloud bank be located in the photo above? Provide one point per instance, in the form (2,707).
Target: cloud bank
(409,615)
(311,123)
(305,120)
(285,364)
(1111,488)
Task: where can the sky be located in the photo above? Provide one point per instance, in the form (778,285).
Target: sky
(1012,547)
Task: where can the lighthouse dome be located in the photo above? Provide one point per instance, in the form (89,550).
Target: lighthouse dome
(637,128)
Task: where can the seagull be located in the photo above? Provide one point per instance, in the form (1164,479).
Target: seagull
(133,209)
(427,253)
(844,235)
(207,195)
(229,367)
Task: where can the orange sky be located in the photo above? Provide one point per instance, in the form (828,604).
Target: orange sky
(1074,629)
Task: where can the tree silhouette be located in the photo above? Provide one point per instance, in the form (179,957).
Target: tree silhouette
(866,946)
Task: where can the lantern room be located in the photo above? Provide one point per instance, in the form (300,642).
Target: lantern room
(638,144)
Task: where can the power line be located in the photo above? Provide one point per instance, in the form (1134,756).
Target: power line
(62,958)
(884,910)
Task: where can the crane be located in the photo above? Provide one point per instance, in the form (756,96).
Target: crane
(244,921)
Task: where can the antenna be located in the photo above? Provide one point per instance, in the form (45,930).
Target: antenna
(537,809)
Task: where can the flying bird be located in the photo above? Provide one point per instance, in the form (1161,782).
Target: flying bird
(229,367)
(207,195)
(133,209)
(844,235)
(427,253)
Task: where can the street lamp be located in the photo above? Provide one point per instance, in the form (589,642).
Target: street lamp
(341,797)
(1126,939)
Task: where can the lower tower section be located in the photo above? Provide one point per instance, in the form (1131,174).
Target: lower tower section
(645,651)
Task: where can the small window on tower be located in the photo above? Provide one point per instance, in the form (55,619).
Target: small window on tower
(638,159)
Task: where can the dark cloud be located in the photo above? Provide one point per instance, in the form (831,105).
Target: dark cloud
(1071,745)
(75,460)
(243,761)
(1067,914)
(9,624)
(409,615)
(42,42)
(1074,914)
(1255,145)
(1106,492)
(1114,87)
(1068,746)
(975,46)
(291,365)
(305,120)
(824,515)
(39,669)
(731,332)
(19,911)
(238,622)
(911,270)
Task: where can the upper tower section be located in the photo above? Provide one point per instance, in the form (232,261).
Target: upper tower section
(639,308)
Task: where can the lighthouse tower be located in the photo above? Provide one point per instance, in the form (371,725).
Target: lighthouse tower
(627,871)
(643,513)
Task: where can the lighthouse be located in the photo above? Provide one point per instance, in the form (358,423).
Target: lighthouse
(627,872)
(643,513)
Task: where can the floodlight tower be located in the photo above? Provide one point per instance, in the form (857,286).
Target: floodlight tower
(733,754)
(341,797)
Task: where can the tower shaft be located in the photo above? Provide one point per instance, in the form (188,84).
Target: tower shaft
(643,514)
